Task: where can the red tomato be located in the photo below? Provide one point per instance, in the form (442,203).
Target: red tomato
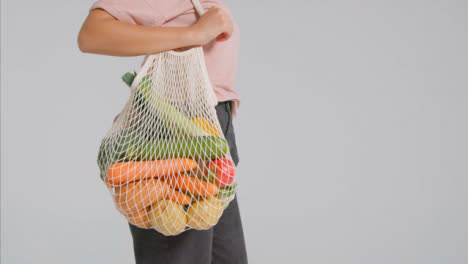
(224,170)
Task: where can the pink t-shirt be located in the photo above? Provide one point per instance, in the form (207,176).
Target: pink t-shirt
(220,57)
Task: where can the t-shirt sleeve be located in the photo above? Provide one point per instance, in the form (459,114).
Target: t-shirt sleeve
(137,12)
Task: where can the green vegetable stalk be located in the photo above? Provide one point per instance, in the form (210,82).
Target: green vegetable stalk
(198,148)
(227,192)
(175,121)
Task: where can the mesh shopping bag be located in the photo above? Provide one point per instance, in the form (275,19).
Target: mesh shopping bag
(165,159)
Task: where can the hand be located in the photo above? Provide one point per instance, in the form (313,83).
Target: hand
(215,23)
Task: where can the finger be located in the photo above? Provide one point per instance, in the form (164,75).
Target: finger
(223,37)
(228,32)
(213,9)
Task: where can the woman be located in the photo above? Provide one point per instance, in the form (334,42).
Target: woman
(143,27)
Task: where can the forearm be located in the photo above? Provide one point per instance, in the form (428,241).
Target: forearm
(108,36)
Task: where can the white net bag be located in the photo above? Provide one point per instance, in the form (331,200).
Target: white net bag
(165,160)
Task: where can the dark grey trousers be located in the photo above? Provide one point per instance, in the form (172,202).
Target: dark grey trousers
(222,244)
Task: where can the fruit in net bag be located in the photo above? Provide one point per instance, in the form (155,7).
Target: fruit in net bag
(208,126)
(224,171)
(167,217)
(204,213)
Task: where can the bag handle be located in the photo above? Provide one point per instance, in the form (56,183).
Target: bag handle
(198,7)
(213,98)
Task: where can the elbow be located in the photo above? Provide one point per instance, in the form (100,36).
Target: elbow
(89,38)
(84,42)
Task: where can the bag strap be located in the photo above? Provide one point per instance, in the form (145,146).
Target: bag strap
(198,7)
(213,99)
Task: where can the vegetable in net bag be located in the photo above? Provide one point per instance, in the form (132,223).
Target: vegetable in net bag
(165,159)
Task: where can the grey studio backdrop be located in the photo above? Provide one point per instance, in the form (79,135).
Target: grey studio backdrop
(352,133)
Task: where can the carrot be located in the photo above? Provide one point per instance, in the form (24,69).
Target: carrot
(192,185)
(177,197)
(135,196)
(123,172)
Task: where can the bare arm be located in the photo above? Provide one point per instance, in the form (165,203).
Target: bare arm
(101,33)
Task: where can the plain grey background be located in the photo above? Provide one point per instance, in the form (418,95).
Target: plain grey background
(352,133)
